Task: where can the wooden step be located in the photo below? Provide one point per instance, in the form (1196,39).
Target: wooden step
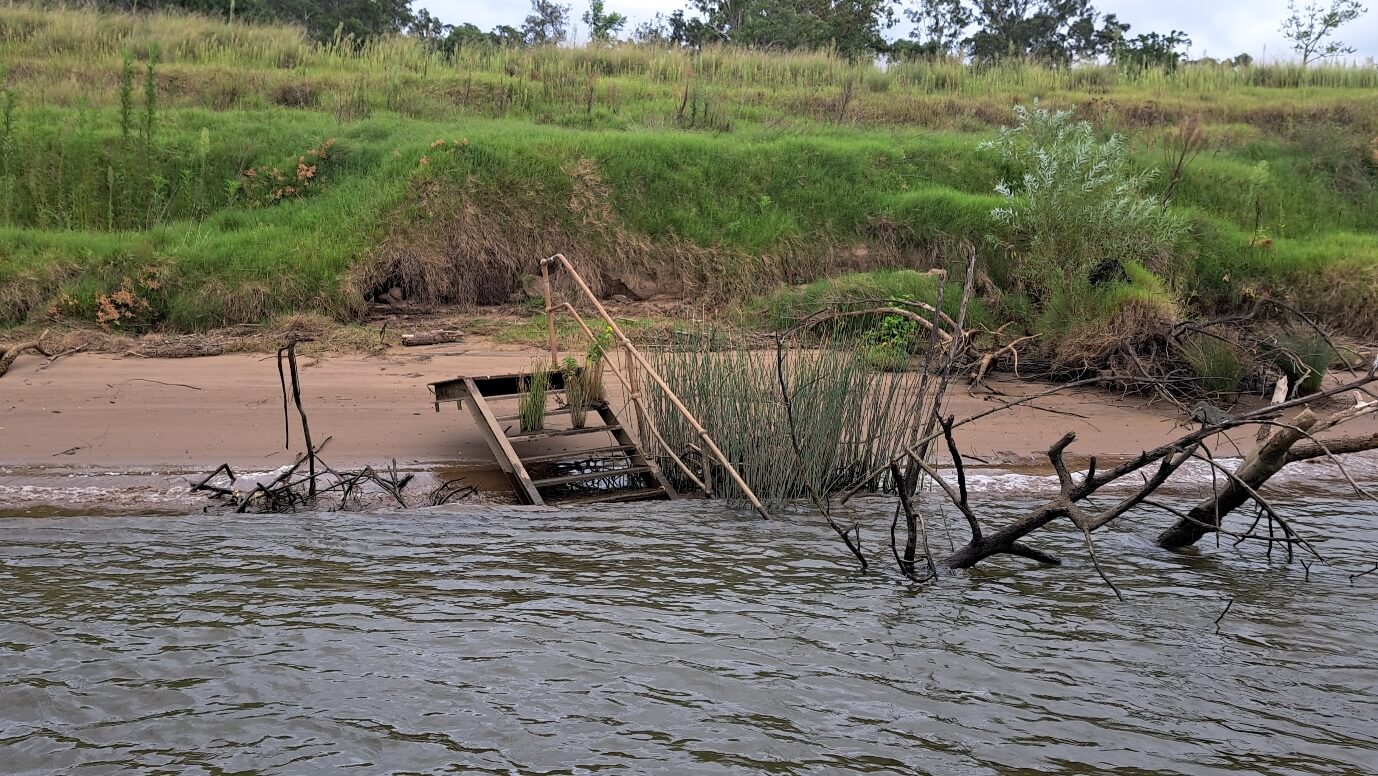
(550,393)
(548,413)
(587,476)
(634,473)
(615,496)
(580,455)
(498,386)
(563,432)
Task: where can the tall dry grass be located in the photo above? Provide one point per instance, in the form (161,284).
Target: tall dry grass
(69,55)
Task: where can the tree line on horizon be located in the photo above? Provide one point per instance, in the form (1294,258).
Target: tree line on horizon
(1052,32)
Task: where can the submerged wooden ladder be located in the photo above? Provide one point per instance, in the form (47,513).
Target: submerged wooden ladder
(635,476)
(614,469)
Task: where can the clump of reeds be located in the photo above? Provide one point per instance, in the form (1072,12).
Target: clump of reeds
(584,384)
(1219,365)
(1304,356)
(531,401)
(795,423)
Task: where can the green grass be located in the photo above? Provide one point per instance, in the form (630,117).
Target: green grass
(860,291)
(1219,365)
(724,174)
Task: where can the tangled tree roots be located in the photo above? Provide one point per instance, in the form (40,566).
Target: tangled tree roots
(326,490)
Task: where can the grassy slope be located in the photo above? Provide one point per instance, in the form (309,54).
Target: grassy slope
(730,172)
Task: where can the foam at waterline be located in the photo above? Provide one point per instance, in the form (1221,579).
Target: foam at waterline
(1320,473)
(56,486)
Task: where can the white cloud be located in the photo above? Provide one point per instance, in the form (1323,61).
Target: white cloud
(1218,28)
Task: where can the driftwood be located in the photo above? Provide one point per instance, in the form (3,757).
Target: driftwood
(321,487)
(1286,442)
(289,355)
(1242,486)
(439,337)
(1281,443)
(990,357)
(11,354)
(1261,465)
(328,489)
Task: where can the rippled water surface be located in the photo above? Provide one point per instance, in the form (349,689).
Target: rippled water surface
(664,640)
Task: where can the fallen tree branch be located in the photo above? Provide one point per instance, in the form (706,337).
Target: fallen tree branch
(987,360)
(12,353)
(1242,485)
(439,337)
(56,356)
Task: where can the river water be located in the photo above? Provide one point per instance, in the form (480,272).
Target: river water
(667,639)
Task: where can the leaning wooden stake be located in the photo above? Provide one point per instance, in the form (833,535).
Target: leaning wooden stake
(634,394)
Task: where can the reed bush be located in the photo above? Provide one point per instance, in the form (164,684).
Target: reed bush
(1304,356)
(531,402)
(584,383)
(847,418)
(576,397)
(1220,366)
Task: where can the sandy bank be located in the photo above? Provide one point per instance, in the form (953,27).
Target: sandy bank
(120,414)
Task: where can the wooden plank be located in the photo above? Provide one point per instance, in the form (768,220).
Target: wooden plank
(501,447)
(579,455)
(511,385)
(548,413)
(563,432)
(568,479)
(440,337)
(448,391)
(615,496)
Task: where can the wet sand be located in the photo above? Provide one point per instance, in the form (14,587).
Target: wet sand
(109,414)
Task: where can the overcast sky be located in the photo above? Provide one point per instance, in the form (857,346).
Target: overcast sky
(1218,28)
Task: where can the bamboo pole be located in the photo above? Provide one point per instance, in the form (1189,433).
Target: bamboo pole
(634,391)
(550,317)
(655,376)
(635,396)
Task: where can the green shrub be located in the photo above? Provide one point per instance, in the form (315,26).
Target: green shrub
(1087,323)
(860,290)
(898,332)
(1076,206)
(1219,366)
(1304,357)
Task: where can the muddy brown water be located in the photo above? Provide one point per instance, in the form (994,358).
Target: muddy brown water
(666,639)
